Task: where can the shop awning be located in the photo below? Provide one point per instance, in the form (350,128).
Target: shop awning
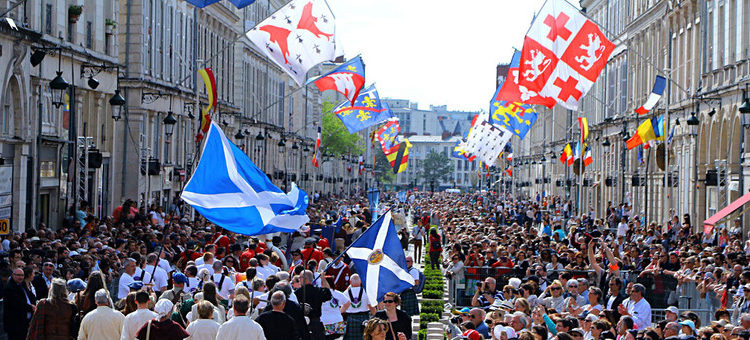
(722,215)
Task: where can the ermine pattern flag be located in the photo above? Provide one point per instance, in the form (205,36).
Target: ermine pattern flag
(487,141)
(563,54)
(297,37)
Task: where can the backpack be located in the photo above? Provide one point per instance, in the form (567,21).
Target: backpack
(419,287)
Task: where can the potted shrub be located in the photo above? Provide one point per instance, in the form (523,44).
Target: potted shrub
(74,12)
(110,26)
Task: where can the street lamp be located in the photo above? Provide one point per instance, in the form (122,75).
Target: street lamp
(259,138)
(693,120)
(606,143)
(282,145)
(169,122)
(58,85)
(117,102)
(239,135)
(295,146)
(745,107)
(306,149)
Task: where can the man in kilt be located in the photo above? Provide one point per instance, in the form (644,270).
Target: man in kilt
(358,310)
(409,303)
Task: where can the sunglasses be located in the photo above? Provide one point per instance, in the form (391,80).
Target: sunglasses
(555,288)
(388,301)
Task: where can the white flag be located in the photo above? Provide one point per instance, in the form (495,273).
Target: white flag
(297,37)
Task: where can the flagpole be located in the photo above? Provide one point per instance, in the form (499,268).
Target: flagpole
(350,245)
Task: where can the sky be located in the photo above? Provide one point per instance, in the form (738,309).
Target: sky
(434,52)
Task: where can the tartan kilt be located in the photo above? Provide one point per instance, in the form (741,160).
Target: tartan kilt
(354,328)
(409,303)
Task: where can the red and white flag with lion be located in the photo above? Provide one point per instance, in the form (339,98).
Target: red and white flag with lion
(297,37)
(563,54)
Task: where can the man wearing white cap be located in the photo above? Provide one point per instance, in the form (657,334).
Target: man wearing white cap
(671,313)
(163,327)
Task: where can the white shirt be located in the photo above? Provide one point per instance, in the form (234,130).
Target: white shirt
(164,264)
(622,229)
(199,262)
(352,293)
(192,284)
(414,274)
(122,286)
(103,323)
(331,312)
(227,287)
(262,272)
(203,329)
(134,321)
(210,268)
(160,277)
(640,311)
(241,328)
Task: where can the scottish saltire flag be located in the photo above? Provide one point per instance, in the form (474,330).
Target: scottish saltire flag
(514,116)
(347,79)
(241,3)
(230,191)
(659,85)
(366,111)
(380,261)
(201,3)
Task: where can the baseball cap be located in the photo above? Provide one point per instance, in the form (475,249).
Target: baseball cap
(135,285)
(179,278)
(591,317)
(688,323)
(673,309)
(76,285)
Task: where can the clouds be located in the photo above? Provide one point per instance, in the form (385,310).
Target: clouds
(433,52)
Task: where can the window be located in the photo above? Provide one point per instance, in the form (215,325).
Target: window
(48,19)
(156,147)
(89,38)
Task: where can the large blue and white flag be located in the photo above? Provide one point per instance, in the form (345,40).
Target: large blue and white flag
(230,191)
(380,261)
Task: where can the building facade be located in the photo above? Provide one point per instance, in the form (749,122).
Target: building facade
(701,47)
(59,148)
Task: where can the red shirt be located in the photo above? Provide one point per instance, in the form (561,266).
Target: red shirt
(245,259)
(435,239)
(311,254)
(222,241)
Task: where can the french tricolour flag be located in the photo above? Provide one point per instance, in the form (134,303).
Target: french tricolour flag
(659,85)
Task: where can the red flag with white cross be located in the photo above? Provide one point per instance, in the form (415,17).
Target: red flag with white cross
(563,54)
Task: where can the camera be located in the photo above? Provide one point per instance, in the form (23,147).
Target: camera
(456,320)
(479,284)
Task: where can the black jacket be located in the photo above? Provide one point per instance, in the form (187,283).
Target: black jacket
(294,310)
(17,311)
(40,286)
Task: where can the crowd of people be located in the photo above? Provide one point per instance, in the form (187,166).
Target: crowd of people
(161,274)
(534,269)
(525,269)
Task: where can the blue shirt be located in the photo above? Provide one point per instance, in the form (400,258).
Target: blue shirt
(484,330)
(81,216)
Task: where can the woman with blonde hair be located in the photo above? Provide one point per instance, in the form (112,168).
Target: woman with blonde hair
(205,328)
(522,305)
(376,329)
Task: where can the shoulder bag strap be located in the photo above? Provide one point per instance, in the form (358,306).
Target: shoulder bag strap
(148,330)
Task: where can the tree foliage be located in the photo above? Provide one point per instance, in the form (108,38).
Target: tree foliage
(335,138)
(436,166)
